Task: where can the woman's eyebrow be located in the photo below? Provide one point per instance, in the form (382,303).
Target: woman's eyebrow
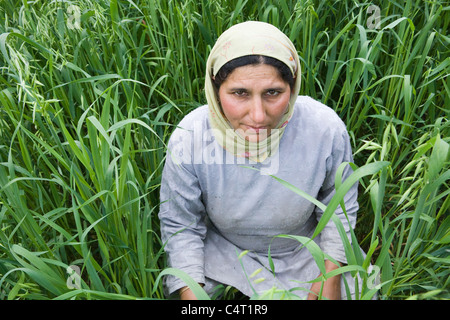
(266,89)
(238,89)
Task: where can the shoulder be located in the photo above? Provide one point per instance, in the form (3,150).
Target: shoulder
(315,112)
(181,141)
(315,120)
(195,117)
(314,124)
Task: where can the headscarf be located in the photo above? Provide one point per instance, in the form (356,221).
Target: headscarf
(243,39)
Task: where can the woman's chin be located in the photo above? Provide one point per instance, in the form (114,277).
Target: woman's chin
(256,138)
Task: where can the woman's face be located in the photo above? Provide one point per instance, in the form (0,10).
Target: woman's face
(254,98)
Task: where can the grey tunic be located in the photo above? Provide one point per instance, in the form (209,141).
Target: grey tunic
(213,206)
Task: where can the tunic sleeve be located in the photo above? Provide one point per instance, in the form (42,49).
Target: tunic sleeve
(182,212)
(331,242)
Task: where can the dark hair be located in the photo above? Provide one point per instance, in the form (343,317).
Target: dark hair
(229,67)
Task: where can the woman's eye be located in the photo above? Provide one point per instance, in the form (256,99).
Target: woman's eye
(272,93)
(240,93)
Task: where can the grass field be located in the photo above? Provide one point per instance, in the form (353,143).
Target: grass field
(90,92)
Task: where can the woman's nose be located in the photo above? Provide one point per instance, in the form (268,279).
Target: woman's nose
(257,111)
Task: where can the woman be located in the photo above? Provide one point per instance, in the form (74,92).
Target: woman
(213,206)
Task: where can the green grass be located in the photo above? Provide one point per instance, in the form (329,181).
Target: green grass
(86,113)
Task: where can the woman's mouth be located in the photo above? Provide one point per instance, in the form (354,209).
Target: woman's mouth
(256,129)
